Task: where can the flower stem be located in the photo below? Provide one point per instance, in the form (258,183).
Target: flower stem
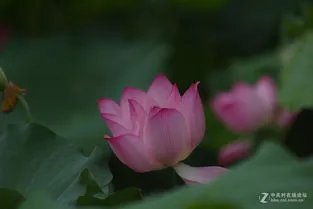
(26,107)
(174,178)
(3,79)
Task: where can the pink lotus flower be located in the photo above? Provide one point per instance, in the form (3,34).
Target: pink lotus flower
(234,151)
(156,129)
(246,108)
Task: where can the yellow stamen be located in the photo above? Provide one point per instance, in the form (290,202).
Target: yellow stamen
(10,97)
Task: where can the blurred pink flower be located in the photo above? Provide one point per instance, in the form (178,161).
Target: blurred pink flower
(234,151)
(156,129)
(199,175)
(246,108)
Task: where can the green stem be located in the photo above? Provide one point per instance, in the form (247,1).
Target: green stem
(26,107)
(174,178)
(3,79)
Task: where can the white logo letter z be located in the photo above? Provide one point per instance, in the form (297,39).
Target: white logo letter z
(263,198)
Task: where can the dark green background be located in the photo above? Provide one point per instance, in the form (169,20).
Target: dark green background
(68,54)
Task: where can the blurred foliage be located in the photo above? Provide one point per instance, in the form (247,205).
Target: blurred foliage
(33,158)
(10,199)
(271,170)
(216,133)
(297,73)
(37,17)
(295,24)
(245,69)
(40,200)
(92,187)
(147,182)
(119,198)
(68,54)
(199,4)
(60,69)
(95,196)
(66,76)
(300,134)
(211,205)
